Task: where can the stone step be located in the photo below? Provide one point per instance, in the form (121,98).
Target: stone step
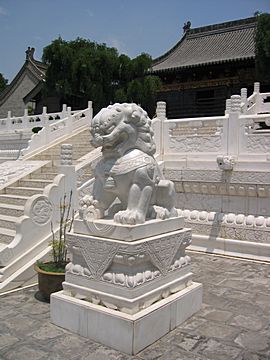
(13,199)
(83,178)
(44,157)
(11,210)
(56,154)
(25,191)
(48,169)
(43,175)
(8,222)
(34,183)
(7,235)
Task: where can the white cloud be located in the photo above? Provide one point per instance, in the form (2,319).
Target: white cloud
(119,45)
(90,13)
(2,11)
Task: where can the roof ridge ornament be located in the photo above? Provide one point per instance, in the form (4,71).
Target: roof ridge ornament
(186,26)
(30,53)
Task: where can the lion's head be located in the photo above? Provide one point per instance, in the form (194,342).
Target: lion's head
(121,127)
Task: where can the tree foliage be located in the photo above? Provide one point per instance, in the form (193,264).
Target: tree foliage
(3,82)
(81,70)
(263,47)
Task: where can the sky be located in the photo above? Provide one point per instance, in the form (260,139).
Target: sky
(131,26)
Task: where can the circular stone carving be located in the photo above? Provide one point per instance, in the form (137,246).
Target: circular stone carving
(41,210)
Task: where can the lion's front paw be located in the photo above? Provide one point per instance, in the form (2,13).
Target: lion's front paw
(130,217)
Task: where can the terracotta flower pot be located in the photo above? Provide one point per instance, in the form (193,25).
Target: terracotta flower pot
(49,282)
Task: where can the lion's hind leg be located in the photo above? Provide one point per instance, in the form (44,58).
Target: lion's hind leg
(165,200)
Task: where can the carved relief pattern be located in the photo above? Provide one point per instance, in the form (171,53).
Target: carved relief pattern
(98,255)
(208,188)
(191,128)
(66,154)
(162,252)
(218,176)
(231,226)
(258,144)
(101,229)
(115,262)
(196,143)
(244,234)
(41,210)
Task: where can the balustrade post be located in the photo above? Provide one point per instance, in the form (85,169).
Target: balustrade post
(258,98)
(228,106)
(233,132)
(256,87)
(244,100)
(8,123)
(69,127)
(161,109)
(25,123)
(68,169)
(45,124)
(159,128)
(90,109)
(64,111)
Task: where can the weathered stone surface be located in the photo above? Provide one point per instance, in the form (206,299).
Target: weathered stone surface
(248,322)
(253,340)
(219,331)
(219,351)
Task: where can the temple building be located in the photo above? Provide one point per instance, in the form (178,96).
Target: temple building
(206,67)
(21,92)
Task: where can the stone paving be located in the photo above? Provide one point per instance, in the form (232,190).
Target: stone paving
(233,324)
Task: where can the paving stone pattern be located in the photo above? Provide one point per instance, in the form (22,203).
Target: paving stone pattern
(233,324)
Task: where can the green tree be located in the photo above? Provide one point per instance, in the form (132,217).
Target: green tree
(135,85)
(81,70)
(3,82)
(262,50)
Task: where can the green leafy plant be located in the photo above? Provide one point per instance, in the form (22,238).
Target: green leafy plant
(58,242)
(36,129)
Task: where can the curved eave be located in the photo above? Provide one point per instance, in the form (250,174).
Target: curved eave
(27,66)
(183,67)
(163,57)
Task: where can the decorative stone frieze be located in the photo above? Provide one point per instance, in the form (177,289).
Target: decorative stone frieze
(236,177)
(196,143)
(251,190)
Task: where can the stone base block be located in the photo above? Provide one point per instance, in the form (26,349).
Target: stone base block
(124,332)
(123,232)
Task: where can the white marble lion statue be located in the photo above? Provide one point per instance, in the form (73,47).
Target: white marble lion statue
(129,186)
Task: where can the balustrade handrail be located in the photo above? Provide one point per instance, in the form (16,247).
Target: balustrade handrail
(209,118)
(63,127)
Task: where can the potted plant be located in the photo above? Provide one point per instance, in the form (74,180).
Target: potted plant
(51,274)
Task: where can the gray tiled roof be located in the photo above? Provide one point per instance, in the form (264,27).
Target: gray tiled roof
(218,43)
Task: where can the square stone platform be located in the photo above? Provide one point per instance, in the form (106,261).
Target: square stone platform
(125,332)
(127,286)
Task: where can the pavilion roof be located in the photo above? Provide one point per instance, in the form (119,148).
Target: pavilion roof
(213,44)
(34,68)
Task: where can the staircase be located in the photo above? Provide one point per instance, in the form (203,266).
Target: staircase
(14,197)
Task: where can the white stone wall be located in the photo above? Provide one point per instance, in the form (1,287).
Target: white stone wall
(221,170)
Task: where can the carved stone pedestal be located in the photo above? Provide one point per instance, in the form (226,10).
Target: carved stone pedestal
(128,292)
